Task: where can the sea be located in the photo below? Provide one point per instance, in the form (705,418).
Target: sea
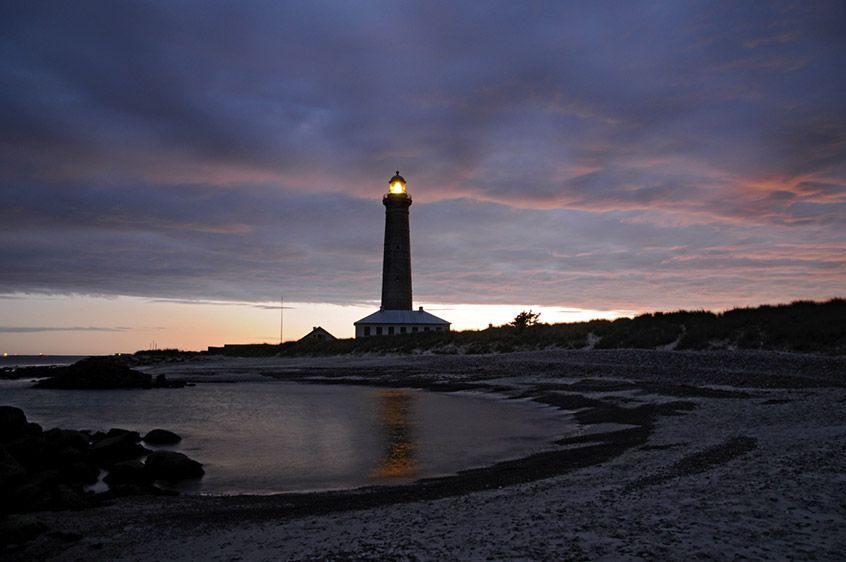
(273,436)
(38,360)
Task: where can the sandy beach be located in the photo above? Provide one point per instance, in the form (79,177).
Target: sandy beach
(682,455)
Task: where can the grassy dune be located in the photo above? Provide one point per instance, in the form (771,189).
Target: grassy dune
(802,326)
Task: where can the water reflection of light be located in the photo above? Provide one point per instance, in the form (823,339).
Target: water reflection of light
(394,417)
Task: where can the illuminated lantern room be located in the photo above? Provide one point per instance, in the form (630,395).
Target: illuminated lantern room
(396,185)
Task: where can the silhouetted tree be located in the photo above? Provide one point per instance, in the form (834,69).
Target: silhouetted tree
(525,319)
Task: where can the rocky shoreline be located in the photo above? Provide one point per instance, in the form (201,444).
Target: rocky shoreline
(55,469)
(92,373)
(715,454)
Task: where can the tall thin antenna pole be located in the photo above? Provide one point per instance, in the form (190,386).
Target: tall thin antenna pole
(281,319)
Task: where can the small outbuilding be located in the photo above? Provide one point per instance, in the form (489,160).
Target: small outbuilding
(390,322)
(318,334)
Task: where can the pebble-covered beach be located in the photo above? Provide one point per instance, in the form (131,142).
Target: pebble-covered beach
(682,455)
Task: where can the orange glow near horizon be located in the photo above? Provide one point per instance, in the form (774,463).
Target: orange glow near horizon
(108,325)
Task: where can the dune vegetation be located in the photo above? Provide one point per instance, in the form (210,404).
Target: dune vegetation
(801,326)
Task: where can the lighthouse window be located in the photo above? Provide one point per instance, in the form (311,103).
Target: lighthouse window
(397,187)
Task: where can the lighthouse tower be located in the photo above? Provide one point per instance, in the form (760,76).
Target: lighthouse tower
(396,315)
(396,264)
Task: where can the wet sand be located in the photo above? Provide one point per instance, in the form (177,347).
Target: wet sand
(682,455)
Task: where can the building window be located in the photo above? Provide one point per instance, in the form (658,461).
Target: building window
(414,329)
(402,329)
(391,330)
(426,329)
(378,330)
(367,330)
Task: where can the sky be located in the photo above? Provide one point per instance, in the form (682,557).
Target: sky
(168,170)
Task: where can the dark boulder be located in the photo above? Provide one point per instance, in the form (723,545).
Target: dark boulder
(97,436)
(12,423)
(128,472)
(67,438)
(76,466)
(96,373)
(118,445)
(33,430)
(69,455)
(11,471)
(115,431)
(172,466)
(80,472)
(32,452)
(162,437)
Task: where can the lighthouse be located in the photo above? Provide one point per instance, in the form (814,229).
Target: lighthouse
(396,315)
(396,262)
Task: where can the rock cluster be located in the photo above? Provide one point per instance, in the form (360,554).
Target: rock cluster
(95,373)
(48,470)
(42,469)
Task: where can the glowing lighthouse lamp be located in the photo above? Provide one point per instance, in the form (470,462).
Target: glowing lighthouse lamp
(397,185)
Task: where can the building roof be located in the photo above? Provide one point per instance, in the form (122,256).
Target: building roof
(418,316)
(398,178)
(318,331)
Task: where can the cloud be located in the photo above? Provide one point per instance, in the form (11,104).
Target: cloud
(598,156)
(36,329)
(195,302)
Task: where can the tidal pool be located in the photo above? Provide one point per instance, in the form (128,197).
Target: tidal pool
(269,437)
